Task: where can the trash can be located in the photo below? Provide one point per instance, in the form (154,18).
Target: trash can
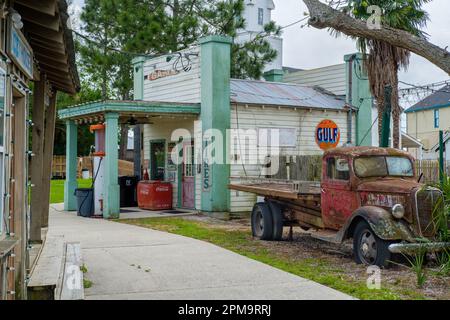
(128,186)
(85,202)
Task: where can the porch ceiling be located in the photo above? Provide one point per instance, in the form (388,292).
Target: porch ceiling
(142,111)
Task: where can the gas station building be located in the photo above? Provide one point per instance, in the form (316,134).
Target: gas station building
(178,99)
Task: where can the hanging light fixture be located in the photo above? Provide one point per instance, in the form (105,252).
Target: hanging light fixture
(132,122)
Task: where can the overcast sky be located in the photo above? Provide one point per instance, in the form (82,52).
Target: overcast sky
(311,48)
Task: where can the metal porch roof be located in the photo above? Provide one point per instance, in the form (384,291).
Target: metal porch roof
(283,94)
(121,106)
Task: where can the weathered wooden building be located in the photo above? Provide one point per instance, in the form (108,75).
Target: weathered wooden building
(187,107)
(37,61)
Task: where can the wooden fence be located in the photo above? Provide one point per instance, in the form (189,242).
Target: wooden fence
(126,168)
(430,170)
(309,168)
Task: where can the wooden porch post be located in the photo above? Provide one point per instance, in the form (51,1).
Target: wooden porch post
(49,136)
(37,159)
(19,199)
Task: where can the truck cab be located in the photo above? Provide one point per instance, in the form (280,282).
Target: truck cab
(373,195)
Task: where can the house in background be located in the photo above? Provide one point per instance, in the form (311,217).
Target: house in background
(426,118)
(258,13)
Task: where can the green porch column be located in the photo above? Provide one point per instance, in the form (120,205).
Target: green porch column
(111,205)
(359,96)
(138,77)
(215,114)
(70,202)
(274,75)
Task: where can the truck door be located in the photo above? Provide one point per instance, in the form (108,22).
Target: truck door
(337,199)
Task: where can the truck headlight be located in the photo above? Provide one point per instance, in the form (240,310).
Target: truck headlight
(398,211)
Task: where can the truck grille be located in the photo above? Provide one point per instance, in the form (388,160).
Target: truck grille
(426,202)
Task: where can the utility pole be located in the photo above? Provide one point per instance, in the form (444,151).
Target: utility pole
(441,157)
(386,120)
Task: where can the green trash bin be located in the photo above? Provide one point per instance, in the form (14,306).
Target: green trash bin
(85,202)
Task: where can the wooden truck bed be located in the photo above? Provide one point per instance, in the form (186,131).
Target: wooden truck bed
(300,200)
(302,190)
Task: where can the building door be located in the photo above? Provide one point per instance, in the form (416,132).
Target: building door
(157,160)
(188,184)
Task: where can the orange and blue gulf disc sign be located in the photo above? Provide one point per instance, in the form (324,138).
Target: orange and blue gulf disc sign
(327,134)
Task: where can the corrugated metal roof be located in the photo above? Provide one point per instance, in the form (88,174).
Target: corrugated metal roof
(439,99)
(283,94)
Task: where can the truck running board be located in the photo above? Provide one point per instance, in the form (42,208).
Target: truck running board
(326,235)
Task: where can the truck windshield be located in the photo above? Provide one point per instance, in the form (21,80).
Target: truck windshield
(366,167)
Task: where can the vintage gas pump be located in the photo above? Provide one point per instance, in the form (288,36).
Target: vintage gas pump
(98,168)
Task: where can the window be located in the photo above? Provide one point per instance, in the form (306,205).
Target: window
(366,167)
(436,118)
(260,16)
(277,137)
(2,148)
(338,169)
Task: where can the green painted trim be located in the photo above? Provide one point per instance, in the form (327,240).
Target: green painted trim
(137,60)
(275,75)
(217,39)
(138,78)
(439,106)
(112,189)
(70,200)
(360,91)
(216,114)
(127,106)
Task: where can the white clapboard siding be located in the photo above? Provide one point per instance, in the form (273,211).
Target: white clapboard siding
(331,78)
(183,87)
(162,129)
(305,121)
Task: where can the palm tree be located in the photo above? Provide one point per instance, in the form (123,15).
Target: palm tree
(385,60)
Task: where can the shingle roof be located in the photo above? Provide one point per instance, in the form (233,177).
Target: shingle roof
(283,94)
(439,99)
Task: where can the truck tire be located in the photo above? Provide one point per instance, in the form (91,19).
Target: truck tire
(277,217)
(368,248)
(262,222)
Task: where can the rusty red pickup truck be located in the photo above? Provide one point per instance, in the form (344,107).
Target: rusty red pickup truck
(368,194)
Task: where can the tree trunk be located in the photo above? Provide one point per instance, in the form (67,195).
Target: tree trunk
(323,16)
(395,111)
(123,141)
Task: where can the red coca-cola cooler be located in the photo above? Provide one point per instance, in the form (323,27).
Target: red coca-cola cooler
(154,195)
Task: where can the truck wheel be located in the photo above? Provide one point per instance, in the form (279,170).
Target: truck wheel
(368,248)
(262,222)
(277,217)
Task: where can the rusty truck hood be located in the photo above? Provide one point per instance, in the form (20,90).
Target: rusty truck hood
(388,185)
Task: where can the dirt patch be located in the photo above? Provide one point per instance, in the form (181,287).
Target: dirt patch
(398,277)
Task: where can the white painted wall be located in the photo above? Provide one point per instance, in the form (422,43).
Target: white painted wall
(305,121)
(331,78)
(182,87)
(253,28)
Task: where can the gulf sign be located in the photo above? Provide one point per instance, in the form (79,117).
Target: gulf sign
(327,134)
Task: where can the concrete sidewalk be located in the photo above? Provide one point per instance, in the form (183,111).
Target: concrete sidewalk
(129,262)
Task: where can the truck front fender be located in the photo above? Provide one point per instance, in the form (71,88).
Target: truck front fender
(381,221)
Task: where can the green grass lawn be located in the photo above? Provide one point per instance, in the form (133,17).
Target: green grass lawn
(57,189)
(242,243)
